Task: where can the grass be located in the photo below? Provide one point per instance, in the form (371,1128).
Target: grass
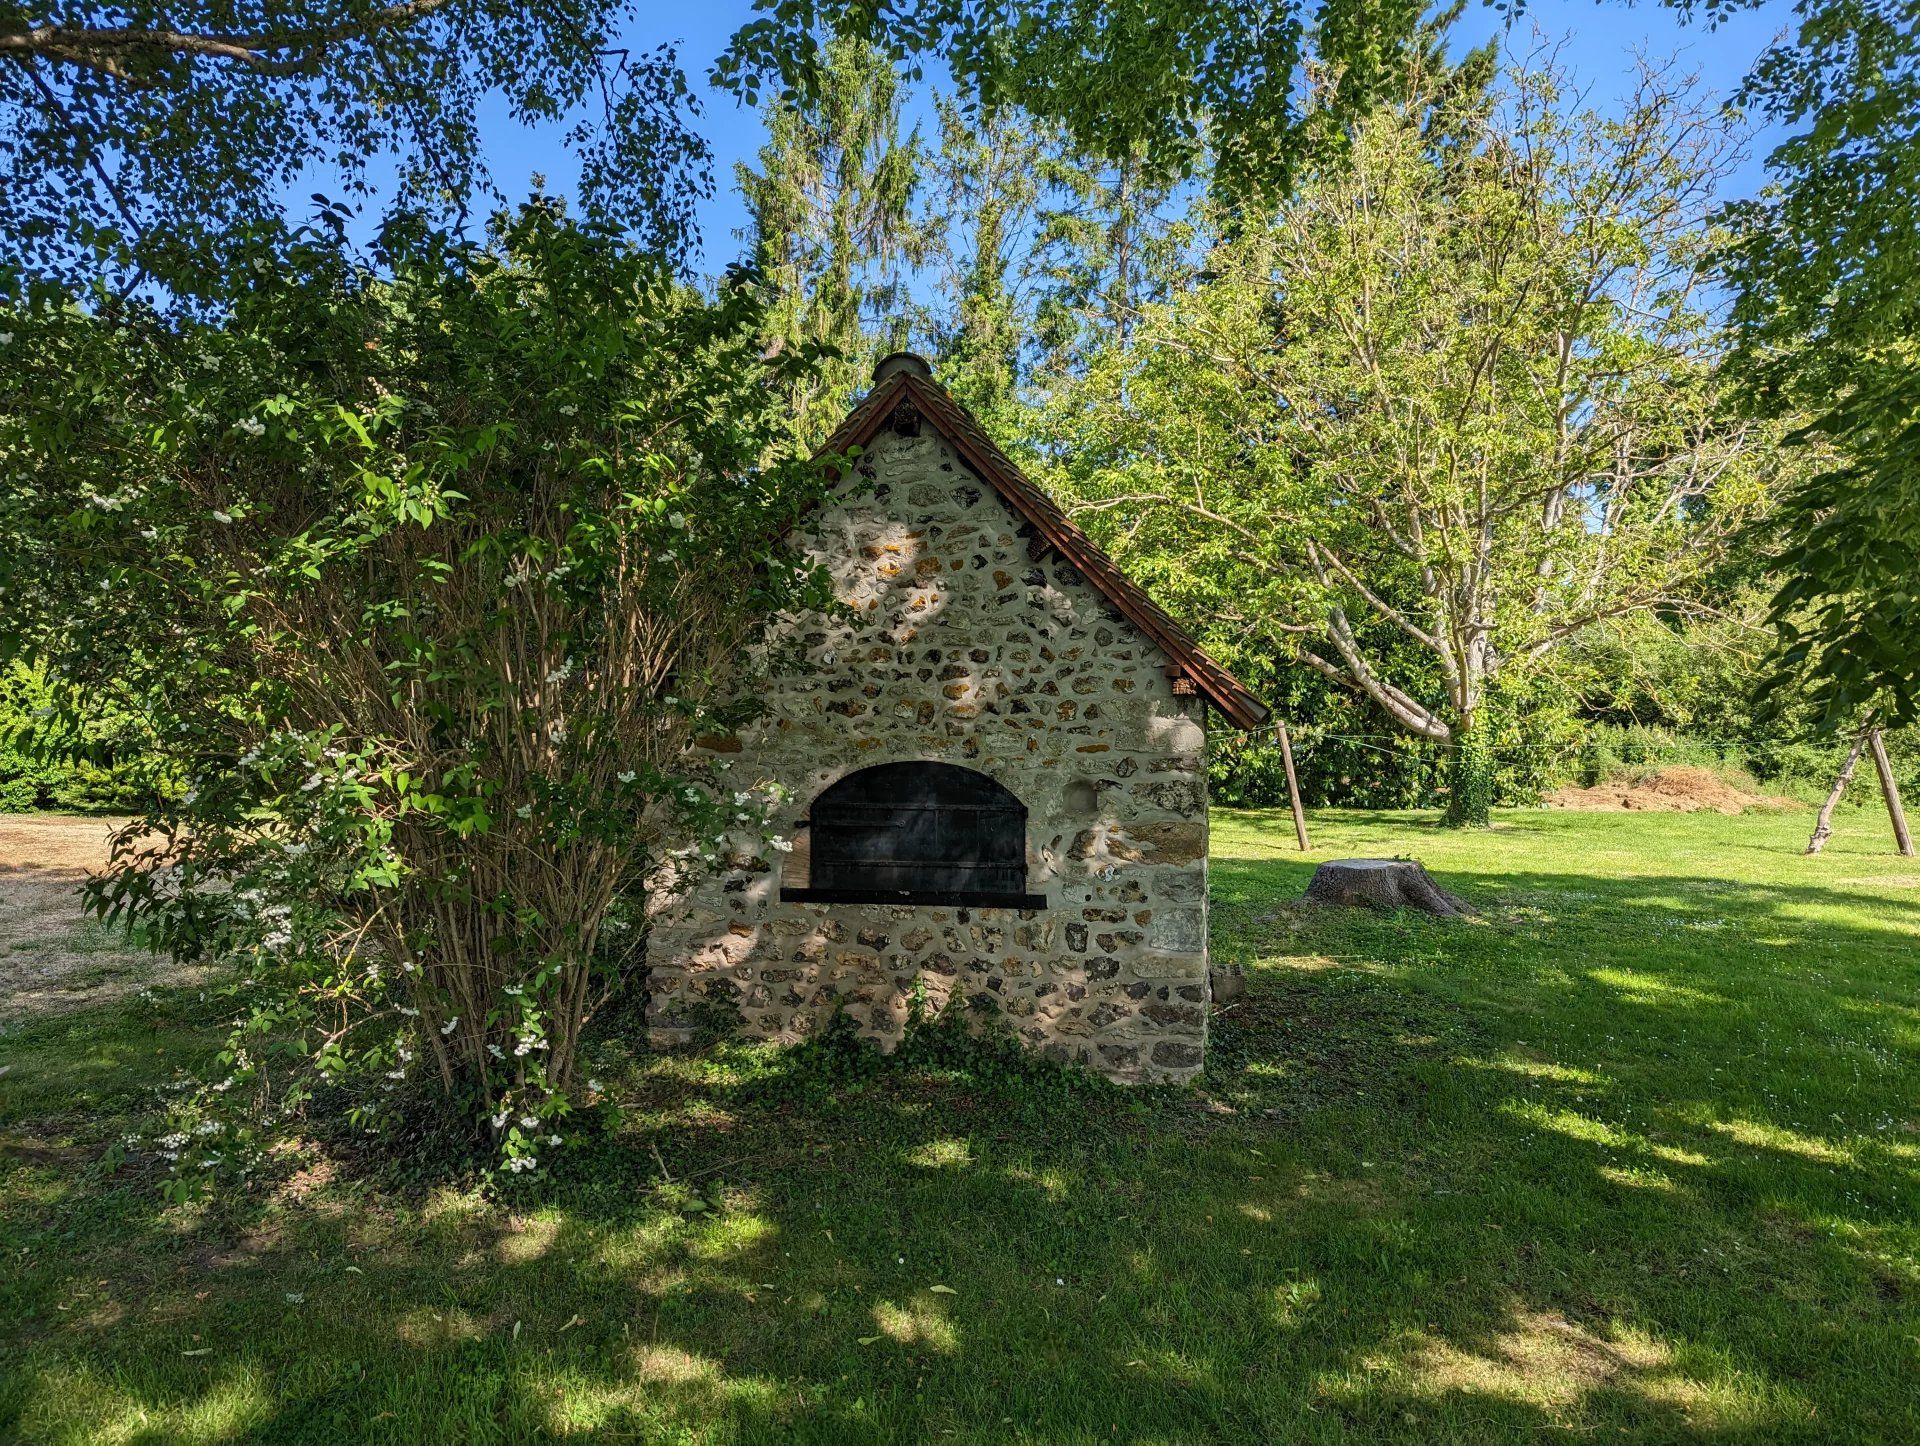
(1638,1152)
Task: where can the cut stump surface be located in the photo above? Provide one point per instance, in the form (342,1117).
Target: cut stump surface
(1383,884)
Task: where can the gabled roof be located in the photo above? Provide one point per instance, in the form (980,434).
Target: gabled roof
(906,378)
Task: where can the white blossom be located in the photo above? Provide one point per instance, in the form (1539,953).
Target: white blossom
(222,517)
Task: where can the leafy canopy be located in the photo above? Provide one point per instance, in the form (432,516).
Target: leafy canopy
(153,142)
(147,140)
(1173,78)
(1826,267)
(1455,402)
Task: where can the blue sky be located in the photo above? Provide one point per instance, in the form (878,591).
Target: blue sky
(1604,37)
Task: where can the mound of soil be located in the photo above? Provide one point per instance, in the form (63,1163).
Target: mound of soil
(1679,789)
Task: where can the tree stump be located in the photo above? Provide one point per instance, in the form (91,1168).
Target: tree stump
(1383,884)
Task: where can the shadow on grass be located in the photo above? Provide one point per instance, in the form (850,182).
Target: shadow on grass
(1631,1155)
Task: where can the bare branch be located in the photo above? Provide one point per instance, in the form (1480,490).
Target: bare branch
(268,52)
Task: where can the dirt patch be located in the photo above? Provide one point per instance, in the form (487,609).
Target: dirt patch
(53,957)
(48,845)
(1680,789)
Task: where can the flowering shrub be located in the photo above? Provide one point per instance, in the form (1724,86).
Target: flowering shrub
(426,570)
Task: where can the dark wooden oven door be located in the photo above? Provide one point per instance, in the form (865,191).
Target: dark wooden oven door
(930,833)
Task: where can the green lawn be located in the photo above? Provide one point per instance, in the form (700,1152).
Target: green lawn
(1639,1152)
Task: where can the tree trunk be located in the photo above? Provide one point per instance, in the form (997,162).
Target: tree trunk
(1890,790)
(1469,778)
(1293,789)
(1823,825)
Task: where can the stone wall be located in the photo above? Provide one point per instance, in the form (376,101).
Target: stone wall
(969,652)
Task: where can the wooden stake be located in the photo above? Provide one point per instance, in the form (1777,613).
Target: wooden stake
(1890,790)
(1823,825)
(1293,789)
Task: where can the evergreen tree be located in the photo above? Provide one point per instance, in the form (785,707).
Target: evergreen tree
(833,230)
(1117,238)
(986,190)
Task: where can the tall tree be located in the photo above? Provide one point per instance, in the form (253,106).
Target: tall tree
(1047,253)
(984,190)
(151,142)
(1459,396)
(1117,238)
(1826,267)
(833,228)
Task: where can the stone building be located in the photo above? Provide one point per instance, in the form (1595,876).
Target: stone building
(996,778)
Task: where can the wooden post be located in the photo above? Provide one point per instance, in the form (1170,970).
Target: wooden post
(1823,825)
(1890,790)
(1293,789)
